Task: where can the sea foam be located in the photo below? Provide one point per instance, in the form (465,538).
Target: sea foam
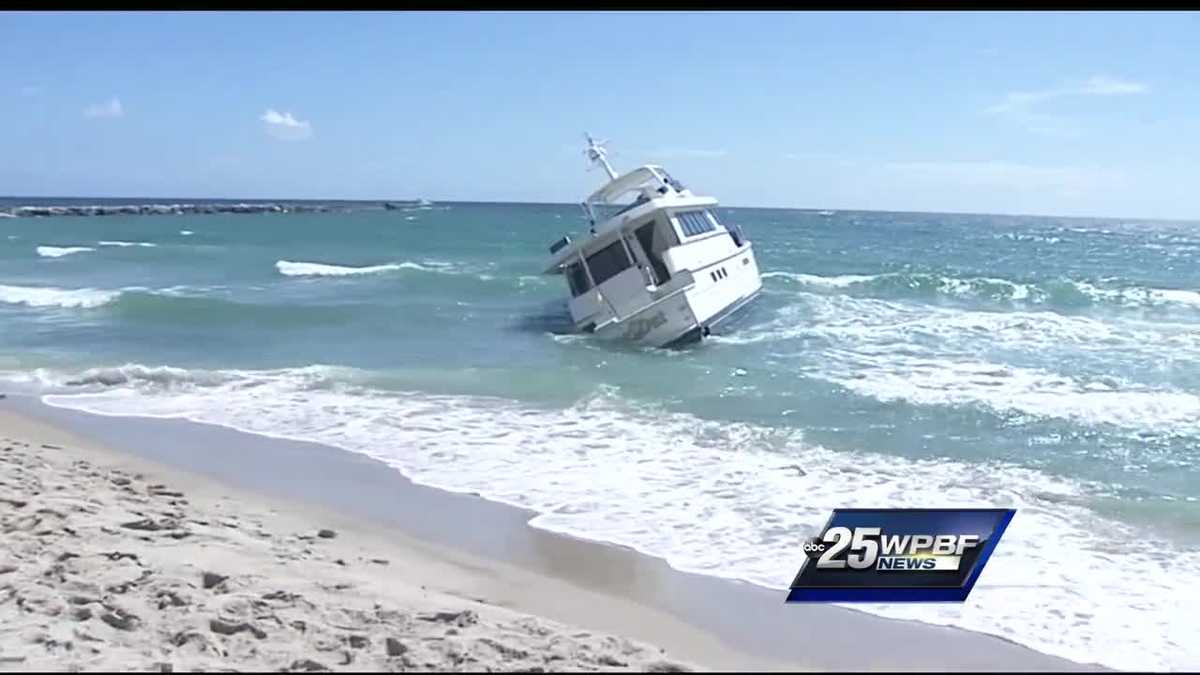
(896,351)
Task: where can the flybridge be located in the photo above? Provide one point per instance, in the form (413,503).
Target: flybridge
(646,182)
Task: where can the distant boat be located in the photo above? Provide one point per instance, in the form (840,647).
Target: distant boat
(826,213)
(659,269)
(407,204)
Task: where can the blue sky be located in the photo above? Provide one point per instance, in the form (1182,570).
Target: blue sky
(1055,113)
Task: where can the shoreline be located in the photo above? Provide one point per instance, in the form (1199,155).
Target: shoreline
(703,621)
(116,561)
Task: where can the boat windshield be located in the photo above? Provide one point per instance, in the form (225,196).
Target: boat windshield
(671,181)
(606,212)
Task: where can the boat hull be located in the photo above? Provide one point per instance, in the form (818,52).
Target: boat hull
(672,323)
(716,326)
(655,325)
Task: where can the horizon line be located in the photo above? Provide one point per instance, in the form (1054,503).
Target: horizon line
(181,200)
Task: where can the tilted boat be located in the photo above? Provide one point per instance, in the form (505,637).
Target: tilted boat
(658,267)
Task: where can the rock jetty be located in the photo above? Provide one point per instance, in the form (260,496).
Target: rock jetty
(165,209)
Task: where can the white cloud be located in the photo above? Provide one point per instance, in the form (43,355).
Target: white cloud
(1098,85)
(1019,105)
(1108,86)
(112,108)
(285,127)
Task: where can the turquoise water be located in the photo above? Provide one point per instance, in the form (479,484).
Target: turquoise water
(894,359)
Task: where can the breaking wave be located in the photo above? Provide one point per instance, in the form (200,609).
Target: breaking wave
(49,296)
(60,251)
(1064,293)
(303,269)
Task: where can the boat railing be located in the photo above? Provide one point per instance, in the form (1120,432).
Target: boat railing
(682,281)
(735,231)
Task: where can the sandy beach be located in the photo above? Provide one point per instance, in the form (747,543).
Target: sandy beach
(110,564)
(192,549)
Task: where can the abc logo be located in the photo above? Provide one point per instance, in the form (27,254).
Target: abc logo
(813,548)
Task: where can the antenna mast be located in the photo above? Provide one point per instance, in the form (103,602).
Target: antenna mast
(596,153)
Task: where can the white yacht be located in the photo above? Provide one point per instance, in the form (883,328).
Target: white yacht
(658,268)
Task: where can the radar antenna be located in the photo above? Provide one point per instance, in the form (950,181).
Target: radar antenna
(597,154)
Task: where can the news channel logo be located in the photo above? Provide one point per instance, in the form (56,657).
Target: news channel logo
(898,555)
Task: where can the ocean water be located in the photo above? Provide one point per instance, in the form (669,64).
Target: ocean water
(893,360)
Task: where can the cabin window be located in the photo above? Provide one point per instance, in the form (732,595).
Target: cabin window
(608,262)
(694,223)
(577,279)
